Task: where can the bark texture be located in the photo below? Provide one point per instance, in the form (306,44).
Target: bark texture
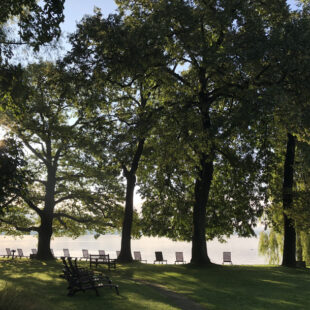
(46,227)
(289,247)
(125,255)
(202,188)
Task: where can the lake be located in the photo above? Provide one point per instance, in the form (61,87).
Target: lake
(244,251)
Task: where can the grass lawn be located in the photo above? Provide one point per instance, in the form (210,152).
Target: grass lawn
(37,286)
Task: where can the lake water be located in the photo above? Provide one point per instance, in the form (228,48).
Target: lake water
(244,251)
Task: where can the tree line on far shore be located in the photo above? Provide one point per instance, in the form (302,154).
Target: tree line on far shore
(203,106)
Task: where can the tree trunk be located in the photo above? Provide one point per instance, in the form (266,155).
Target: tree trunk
(299,255)
(202,188)
(44,241)
(125,253)
(46,227)
(289,248)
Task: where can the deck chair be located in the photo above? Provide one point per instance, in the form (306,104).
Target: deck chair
(137,255)
(179,258)
(66,253)
(82,279)
(34,251)
(101,252)
(20,253)
(159,258)
(85,255)
(8,252)
(227,257)
(117,253)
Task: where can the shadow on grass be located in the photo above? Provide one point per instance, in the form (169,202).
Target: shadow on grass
(41,281)
(215,287)
(235,287)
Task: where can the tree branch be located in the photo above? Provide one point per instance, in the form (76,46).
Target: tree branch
(64,198)
(32,205)
(23,229)
(59,215)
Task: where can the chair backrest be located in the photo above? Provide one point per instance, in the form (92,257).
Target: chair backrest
(34,251)
(20,252)
(179,257)
(101,258)
(66,253)
(101,252)
(117,253)
(137,255)
(85,253)
(159,256)
(226,256)
(8,251)
(66,265)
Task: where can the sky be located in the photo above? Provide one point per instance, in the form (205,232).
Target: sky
(76,9)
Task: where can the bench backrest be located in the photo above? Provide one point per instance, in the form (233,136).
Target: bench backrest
(179,257)
(99,258)
(226,256)
(159,256)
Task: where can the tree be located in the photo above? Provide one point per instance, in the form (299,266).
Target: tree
(118,58)
(72,192)
(220,55)
(38,23)
(292,120)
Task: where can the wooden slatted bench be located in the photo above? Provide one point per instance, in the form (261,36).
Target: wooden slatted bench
(101,260)
(82,279)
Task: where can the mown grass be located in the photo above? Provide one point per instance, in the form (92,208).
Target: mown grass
(39,286)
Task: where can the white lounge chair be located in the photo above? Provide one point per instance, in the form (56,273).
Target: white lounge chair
(138,257)
(85,255)
(179,258)
(20,253)
(227,257)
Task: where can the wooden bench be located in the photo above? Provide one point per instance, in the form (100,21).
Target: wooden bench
(102,260)
(82,279)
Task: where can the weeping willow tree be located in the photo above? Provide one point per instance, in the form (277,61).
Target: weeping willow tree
(271,246)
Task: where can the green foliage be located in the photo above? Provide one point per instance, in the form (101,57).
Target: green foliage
(69,181)
(271,246)
(218,59)
(39,23)
(13,176)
